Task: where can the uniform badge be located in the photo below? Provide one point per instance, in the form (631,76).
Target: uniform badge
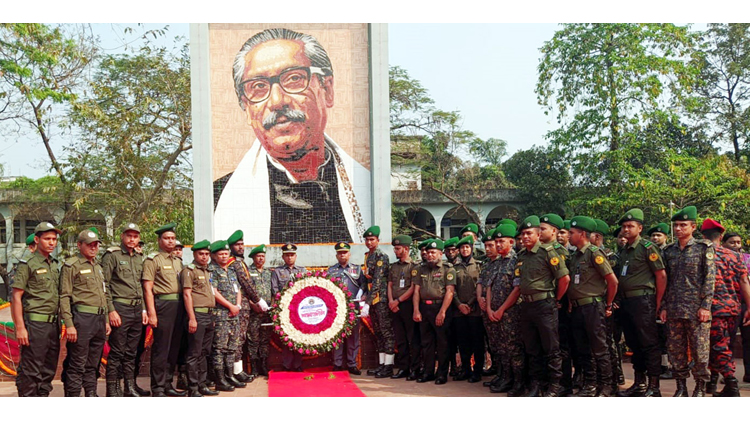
(41,271)
(554,261)
(380,263)
(84,271)
(414,272)
(518,272)
(599,259)
(449,277)
(710,255)
(654,256)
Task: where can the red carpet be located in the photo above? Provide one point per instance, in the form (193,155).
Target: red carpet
(314,383)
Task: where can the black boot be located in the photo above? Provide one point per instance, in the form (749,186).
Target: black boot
(221,382)
(638,387)
(554,390)
(604,390)
(587,390)
(373,372)
(653,387)
(476,376)
(387,371)
(112,388)
(619,376)
(681,388)
(91,393)
(263,367)
(210,378)
(193,392)
(462,375)
(534,389)
(518,382)
(141,392)
(711,385)
(666,372)
(731,388)
(118,388)
(244,377)
(182,381)
(129,390)
(700,388)
(171,392)
(229,376)
(206,391)
(505,383)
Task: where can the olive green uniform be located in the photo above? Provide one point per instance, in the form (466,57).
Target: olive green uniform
(433,281)
(83,306)
(197,279)
(469,328)
(38,277)
(406,333)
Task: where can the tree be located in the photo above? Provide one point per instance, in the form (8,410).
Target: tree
(606,73)
(725,86)
(542,177)
(135,133)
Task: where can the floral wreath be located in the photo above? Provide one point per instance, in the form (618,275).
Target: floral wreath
(314,313)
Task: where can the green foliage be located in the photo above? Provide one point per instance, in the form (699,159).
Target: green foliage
(542,177)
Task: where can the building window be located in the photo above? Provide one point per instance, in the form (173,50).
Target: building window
(3,237)
(30,226)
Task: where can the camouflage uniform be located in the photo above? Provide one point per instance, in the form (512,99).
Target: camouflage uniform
(614,329)
(225,332)
(492,329)
(509,340)
(565,330)
(259,338)
(238,266)
(376,271)
(725,308)
(691,274)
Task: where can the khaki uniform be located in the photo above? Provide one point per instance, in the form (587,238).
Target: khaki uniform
(38,277)
(83,305)
(432,282)
(469,329)
(197,279)
(405,331)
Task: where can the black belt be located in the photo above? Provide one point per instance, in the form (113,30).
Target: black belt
(534,297)
(584,301)
(431,301)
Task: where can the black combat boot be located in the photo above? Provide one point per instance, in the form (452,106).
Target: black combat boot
(638,387)
(244,377)
(387,371)
(129,390)
(91,393)
(373,372)
(518,383)
(141,392)
(229,376)
(604,390)
(711,385)
(731,388)
(587,390)
(700,388)
(193,392)
(171,392)
(210,376)
(206,391)
(505,383)
(112,388)
(221,382)
(263,367)
(681,388)
(534,389)
(653,387)
(118,389)
(553,390)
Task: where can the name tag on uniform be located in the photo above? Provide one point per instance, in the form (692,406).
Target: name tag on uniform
(123,262)
(423,276)
(437,275)
(402,283)
(577,279)
(85,271)
(624,271)
(253,274)
(201,277)
(41,271)
(353,271)
(166,267)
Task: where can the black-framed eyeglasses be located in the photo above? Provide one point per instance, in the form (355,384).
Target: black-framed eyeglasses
(293,80)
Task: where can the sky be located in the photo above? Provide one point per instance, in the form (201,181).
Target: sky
(485,71)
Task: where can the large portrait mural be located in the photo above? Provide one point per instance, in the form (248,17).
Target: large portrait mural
(290,131)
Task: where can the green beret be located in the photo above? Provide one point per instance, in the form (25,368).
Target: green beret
(659,227)
(531,221)
(451,243)
(30,239)
(436,243)
(616,232)
(131,227)
(424,244)
(566,225)
(505,230)
(582,222)
(466,240)
(373,231)
(201,245)
(552,219)
(601,227)
(258,250)
(507,221)
(488,236)
(45,227)
(634,214)
(471,227)
(165,228)
(289,248)
(401,240)
(234,238)
(686,213)
(342,246)
(219,245)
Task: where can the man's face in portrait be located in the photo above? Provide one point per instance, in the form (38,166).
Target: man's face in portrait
(285,101)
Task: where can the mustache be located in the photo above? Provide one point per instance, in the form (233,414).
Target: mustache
(291,115)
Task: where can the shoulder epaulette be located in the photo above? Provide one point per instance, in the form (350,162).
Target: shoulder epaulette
(152,256)
(708,243)
(69,262)
(647,244)
(548,246)
(112,249)
(23,261)
(191,266)
(556,245)
(593,248)
(447,264)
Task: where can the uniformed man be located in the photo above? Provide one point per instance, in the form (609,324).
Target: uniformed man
(161,291)
(248,304)
(473,230)
(541,280)
(435,287)
(731,285)
(199,304)
(123,268)
(510,342)
(422,246)
(292,360)
(550,224)
(491,329)
(686,308)
(400,291)
(83,308)
(27,253)
(450,247)
(376,271)
(142,341)
(467,321)
(34,309)
(640,271)
(563,237)
(658,234)
(354,278)
(178,248)
(226,321)
(182,380)
(259,335)
(590,296)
